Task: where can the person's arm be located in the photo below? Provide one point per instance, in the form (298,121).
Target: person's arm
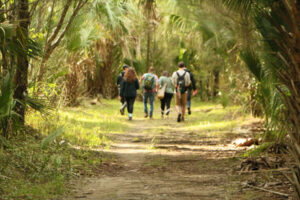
(174,78)
(119,79)
(142,78)
(137,85)
(193,82)
(122,88)
(156,83)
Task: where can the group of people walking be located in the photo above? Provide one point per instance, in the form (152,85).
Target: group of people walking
(182,83)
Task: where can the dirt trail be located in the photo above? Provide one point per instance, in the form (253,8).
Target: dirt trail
(157,160)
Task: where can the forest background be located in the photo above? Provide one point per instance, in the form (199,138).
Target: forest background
(55,52)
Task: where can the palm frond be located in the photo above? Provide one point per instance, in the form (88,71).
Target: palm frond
(6,95)
(253,63)
(237,5)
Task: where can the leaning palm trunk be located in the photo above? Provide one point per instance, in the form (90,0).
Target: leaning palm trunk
(288,52)
(278,21)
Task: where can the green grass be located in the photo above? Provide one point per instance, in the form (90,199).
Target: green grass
(84,126)
(210,119)
(30,171)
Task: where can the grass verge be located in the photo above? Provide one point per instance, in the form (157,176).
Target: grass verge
(30,170)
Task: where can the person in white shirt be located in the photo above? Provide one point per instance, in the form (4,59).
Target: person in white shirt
(181,79)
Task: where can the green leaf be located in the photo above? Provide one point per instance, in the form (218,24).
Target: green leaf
(46,141)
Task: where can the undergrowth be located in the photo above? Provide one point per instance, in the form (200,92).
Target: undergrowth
(31,169)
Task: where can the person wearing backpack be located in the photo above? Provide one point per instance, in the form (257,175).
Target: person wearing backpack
(150,85)
(191,88)
(129,86)
(166,82)
(119,80)
(181,80)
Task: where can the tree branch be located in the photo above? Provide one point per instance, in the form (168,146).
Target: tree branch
(60,23)
(78,7)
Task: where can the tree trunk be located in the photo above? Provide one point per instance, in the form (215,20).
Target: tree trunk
(149,11)
(216,86)
(107,49)
(148,47)
(21,81)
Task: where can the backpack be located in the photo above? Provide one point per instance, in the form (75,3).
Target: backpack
(181,83)
(148,81)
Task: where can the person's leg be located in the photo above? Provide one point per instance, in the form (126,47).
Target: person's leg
(162,106)
(183,103)
(168,102)
(123,105)
(145,96)
(151,100)
(130,107)
(189,101)
(178,106)
(127,103)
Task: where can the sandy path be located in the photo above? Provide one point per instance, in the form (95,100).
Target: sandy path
(153,163)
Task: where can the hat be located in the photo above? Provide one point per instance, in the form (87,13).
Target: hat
(125,66)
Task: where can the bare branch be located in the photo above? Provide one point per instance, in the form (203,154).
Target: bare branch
(60,23)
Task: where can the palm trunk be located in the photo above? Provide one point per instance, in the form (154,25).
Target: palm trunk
(22,60)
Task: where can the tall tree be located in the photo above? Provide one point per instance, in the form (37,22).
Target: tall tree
(149,6)
(21,75)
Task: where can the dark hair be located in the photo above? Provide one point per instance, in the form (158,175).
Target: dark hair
(165,73)
(125,66)
(130,75)
(181,64)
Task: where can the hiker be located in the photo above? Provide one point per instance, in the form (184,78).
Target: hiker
(166,84)
(129,85)
(181,80)
(119,80)
(192,87)
(150,86)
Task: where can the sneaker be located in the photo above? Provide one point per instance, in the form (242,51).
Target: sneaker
(179,118)
(150,117)
(129,118)
(189,111)
(162,116)
(182,118)
(146,115)
(122,111)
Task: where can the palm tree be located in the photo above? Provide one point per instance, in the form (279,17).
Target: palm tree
(278,22)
